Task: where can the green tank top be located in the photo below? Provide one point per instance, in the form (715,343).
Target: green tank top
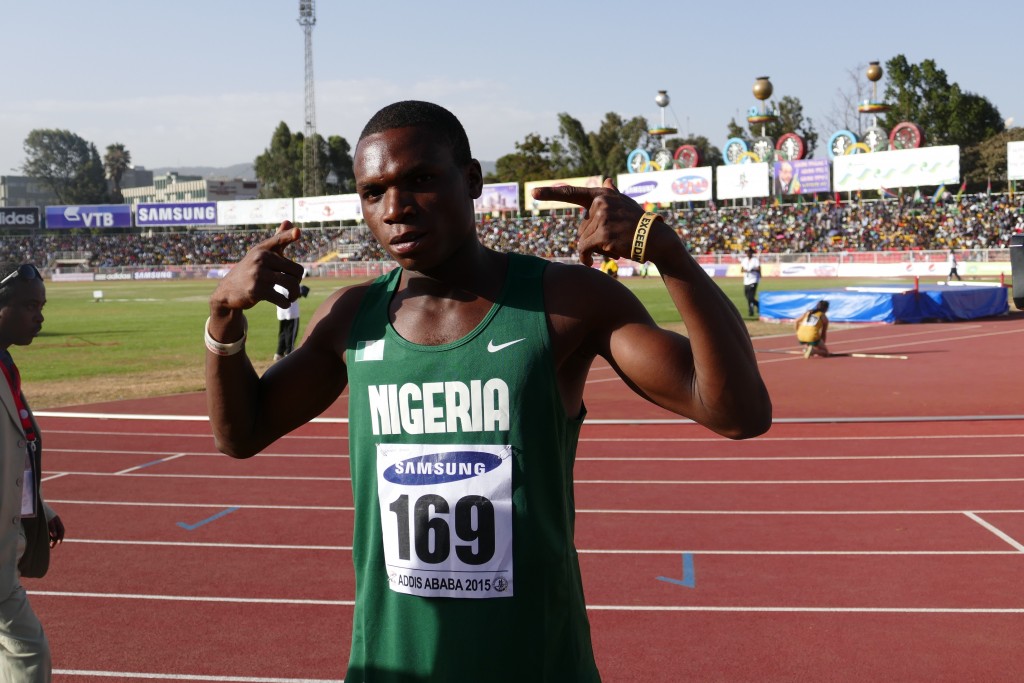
(462,459)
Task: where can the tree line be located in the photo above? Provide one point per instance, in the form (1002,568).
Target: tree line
(921,93)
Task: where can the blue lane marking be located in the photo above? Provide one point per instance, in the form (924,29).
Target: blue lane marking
(150,464)
(689,576)
(192,527)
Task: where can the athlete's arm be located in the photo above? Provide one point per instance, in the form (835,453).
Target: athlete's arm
(710,377)
(248,412)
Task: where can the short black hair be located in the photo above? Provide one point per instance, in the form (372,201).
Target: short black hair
(821,306)
(7,291)
(414,113)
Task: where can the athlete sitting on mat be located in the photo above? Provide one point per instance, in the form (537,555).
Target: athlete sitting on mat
(466,371)
(811,330)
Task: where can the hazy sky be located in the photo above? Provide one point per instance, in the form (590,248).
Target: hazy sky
(205,82)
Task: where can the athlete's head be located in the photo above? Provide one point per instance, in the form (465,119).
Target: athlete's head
(417,182)
(413,113)
(821,306)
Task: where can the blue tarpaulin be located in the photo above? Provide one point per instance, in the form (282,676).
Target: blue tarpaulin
(887,304)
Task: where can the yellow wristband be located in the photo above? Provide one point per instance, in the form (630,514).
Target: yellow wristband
(643,229)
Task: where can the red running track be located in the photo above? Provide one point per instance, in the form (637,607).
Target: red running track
(834,548)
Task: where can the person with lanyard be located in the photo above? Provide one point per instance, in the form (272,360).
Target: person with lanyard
(466,370)
(31,527)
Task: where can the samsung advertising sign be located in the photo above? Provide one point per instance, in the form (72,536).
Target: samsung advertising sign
(92,216)
(189,213)
(19,217)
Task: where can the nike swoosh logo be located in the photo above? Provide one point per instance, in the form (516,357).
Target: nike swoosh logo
(492,347)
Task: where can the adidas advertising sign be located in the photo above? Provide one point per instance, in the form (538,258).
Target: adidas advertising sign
(19,217)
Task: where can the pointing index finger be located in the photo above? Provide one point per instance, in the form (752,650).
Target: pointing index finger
(580,196)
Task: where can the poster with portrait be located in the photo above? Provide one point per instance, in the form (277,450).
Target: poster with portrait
(801,176)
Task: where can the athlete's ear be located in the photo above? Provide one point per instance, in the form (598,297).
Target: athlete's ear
(474,179)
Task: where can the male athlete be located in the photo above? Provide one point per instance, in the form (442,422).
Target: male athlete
(466,370)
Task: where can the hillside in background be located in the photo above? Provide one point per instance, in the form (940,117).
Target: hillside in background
(245,171)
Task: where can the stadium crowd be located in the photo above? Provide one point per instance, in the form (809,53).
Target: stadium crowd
(967,222)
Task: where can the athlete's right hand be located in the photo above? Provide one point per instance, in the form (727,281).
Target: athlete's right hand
(252,279)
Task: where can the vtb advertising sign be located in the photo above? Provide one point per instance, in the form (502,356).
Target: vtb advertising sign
(19,217)
(91,216)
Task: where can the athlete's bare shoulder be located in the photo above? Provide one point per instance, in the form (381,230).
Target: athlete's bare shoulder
(330,326)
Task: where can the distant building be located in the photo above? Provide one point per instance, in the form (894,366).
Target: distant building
(172,187)
(18,190)
(136,176)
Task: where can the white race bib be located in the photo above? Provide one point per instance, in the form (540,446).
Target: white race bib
(446,518)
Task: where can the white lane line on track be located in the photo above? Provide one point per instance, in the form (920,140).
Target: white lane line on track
(204,454)
(995,530)
(194,598)
(786,439)
(779,482)
(596,511)
(307,508)
(813,610)
(244,477)
(138,675)
(625,421)
(582,551)
(598,482)
(617,608)
(197,544)
(207,436)
(764,459)
(611,439)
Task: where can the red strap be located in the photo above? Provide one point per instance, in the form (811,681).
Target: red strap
(14,382)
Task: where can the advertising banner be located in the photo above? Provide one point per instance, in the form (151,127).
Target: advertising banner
(254,212)
(897,168)
(534,205)
(741,181)
(188,213)
(335,207)
(92,216)
(498,197)
(801,176)
(19,217)
(661,187)
(1015,160)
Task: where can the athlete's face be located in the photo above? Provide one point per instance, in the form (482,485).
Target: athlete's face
(416,199)
(21,318)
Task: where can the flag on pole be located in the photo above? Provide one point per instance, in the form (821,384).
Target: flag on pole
(939,192)
(917,195)
(988,188)
(960,192)
(887,194)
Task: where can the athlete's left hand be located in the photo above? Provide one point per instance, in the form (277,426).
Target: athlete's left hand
(609,218)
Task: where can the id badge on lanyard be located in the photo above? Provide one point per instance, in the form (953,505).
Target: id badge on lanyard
(28,487)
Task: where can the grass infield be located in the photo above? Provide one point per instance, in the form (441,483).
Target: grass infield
(145,338)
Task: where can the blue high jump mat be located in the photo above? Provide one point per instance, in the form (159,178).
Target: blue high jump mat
(890,303)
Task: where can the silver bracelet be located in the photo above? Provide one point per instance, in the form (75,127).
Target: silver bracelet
(222,349)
